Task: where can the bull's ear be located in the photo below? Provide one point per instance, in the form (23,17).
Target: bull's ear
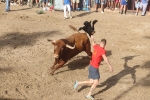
(85,23)
(53,42)
(81,28)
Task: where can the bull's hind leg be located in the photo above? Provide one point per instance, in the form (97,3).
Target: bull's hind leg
(60,64)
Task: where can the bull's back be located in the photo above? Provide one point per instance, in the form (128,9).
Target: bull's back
(81,44)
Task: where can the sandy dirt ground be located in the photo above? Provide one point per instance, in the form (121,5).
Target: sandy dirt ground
(26,56)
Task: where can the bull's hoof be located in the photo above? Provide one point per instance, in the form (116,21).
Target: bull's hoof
(52,68)
(52,73)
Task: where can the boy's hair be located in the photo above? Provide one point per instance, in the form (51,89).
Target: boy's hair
(103,41)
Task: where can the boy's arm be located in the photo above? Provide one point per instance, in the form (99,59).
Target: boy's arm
(92,40)
(107,61)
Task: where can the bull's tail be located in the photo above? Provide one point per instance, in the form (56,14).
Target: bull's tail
(72,27)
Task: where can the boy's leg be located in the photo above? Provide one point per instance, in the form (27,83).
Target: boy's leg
(95,83)
(83,82)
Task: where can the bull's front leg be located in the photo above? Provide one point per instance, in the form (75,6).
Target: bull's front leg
(55,62)
(60,64)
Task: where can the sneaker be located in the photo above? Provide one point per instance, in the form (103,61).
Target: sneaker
(75,85)
(87,9)
(102,12)
(15,3)
(136,14)
(11,3)
(47,8)
(70,17)
(96,10)
(65,17)
(44,9)
(89,97)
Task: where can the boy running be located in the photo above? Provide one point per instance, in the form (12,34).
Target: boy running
(94,75)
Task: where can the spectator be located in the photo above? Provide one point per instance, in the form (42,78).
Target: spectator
(108,4)
(88,5)
(66,4)
(103,3)
(143,6)
(14,2)
(21,2)
(73,5)
(7,6)
(112,5)
(123,7)
(117,4)
(45,5)
(137,6)
(97,2)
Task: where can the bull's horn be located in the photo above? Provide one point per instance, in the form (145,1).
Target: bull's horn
(68,46)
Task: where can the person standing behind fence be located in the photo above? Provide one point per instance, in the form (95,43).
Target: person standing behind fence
(7,6)
(137,6)
(77,4)
(143,6)
(45,6)
(21,2)
(123,7)
(103,3)
(66,4)
(97,2)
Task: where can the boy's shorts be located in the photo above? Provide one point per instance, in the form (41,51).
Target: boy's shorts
(75,1)
(137,4)
(93,73)
(103,2)
(97,1)
(44,0)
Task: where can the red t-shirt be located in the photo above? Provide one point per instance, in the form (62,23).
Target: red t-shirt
(97,55)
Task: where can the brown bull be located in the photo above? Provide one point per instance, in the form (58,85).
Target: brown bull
(65,49)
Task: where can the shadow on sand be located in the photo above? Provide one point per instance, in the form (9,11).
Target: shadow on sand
(112,81)
(143,82)
(80,62)
(16,39)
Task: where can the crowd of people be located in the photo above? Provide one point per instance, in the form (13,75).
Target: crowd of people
(76,5)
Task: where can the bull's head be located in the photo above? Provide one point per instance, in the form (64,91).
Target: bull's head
(88,27)
(60,46)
